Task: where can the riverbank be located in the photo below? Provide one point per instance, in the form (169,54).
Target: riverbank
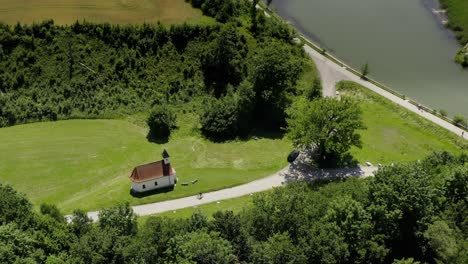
(457,12)
(414,55)
(336,70)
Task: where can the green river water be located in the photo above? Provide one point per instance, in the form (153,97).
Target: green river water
(405,44)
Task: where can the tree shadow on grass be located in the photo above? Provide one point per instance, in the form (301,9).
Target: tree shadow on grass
(267,134)
(157,140)
(152,192)
(304,169)
(345,160)
(253,135)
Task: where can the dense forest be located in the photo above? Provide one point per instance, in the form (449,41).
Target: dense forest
(238,68)
(407,213)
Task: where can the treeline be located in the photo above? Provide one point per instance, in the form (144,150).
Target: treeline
(407,213)
(50,72)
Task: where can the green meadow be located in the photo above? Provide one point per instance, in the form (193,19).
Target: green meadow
(395,134)
(85,163)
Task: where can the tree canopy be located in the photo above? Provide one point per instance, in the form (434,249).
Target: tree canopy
(328,126)
(407,213)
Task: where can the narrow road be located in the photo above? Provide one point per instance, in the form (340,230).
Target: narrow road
(277,179)
(331,73)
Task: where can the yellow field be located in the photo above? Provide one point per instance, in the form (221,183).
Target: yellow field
(112,11)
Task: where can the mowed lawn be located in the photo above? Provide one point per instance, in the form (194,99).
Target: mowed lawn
(235,205)
(112,11)
(85,163)
(395,134)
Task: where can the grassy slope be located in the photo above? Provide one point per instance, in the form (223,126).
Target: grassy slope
(85,163)
(114,11)
(393,133)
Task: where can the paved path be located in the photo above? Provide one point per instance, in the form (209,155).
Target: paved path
(331,73)
(279,178)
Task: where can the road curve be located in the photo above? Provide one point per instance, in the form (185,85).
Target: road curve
(331,73)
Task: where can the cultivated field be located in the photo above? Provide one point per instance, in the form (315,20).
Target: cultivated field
(112,11)
(85,163)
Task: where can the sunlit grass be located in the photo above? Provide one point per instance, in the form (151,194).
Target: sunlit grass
(85,163)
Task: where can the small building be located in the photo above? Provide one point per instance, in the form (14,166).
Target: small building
(154,175)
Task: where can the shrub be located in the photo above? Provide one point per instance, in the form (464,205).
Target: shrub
(459,120)
(3,122)
(219,119)
(443,113)
(161,121)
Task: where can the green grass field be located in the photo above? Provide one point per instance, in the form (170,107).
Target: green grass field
(112,11)
(395,134)
(236,205)
(85,163)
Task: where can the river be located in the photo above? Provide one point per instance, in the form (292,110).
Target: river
(407,47)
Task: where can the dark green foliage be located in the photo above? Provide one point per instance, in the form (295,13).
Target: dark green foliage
(161,121)
(278,249)
(230,227)
(98,246)
(408,213)
(14,207)
(402,204)
(86,70)
(52,211)
(224,61)
(219,118)
(197,221)
(364,71)
(314,91)
(201,247)
(120,218)
(460,121)
(245,101)
(114,69)
(327,126)
(274,72)
(80,223)
(446,243)
(15,245)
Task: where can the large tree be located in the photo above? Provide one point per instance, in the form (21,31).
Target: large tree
(328,126)
(403,201)
(224,61)
(274,72)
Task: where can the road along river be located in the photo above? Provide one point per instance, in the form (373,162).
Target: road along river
(404,42)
